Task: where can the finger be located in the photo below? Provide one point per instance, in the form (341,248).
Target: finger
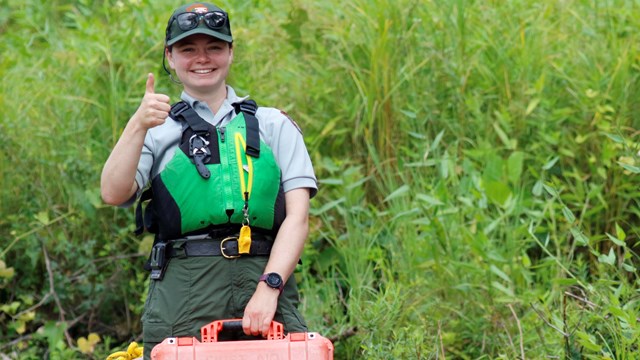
(266,326)
(160,115)
(151,82)
(246,325)
(158,102)
(255,327)
(163,98)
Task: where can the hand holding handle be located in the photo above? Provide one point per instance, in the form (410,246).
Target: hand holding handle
(210,332)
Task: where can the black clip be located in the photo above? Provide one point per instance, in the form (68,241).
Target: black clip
(158,260)
(178,108)
(199,151)
(246,106)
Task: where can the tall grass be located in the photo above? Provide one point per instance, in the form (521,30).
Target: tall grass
(478,166)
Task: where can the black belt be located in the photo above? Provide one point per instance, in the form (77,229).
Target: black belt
(227,247)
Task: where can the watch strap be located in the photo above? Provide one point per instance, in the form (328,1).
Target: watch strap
(264,278)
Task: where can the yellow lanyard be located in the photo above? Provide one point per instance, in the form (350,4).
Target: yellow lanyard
(244,240)
(245,186)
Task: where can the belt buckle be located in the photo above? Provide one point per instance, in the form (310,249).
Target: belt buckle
(222,248)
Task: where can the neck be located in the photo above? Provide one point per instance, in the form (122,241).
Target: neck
(214,99)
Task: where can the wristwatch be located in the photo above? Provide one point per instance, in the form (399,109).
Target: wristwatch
(273,280)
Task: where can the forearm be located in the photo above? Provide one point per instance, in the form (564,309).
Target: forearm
(117,183)
(293,232)
(288,246)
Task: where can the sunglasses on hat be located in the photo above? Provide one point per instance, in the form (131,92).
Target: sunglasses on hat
(190,20)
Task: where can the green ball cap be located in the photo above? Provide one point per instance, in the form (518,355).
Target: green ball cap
(175,34)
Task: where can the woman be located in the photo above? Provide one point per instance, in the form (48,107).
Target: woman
(230,194)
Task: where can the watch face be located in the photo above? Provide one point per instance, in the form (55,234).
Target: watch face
(274,280)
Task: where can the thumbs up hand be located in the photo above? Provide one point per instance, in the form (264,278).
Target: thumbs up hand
(154,108)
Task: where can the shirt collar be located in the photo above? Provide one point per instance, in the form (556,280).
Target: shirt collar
(227,105)
(223,115)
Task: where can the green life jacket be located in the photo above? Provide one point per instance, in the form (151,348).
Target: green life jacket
(220,177)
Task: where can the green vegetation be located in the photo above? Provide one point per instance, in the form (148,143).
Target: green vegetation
(478,162)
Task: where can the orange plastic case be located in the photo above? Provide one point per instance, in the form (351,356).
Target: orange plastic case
(295,346)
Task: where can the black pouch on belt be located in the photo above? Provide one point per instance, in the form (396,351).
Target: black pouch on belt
(158,260)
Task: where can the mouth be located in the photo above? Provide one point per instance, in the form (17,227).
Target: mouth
(203,71)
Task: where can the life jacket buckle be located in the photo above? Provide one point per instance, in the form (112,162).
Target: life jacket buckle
(178,108)
(222,248)
(247,107)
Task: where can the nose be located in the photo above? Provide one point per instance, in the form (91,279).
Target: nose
(201,56)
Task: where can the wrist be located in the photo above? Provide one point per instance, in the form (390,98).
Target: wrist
(272,280)
(265,290)
(136,123)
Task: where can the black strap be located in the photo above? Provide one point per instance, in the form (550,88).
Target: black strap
(183,111)
(198,143)
(143,218)
(211,247)
(249,109)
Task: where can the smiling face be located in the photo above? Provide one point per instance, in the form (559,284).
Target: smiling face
(202,63)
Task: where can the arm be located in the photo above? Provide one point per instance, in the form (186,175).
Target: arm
(117,183)
(285,254)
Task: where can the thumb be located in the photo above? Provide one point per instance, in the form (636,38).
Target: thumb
(150,84)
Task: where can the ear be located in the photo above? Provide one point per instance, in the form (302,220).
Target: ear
(169,56)
(231,55)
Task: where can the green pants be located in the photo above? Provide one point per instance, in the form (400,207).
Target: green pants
(198,290)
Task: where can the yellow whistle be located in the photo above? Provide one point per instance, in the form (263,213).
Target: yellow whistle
(244,240)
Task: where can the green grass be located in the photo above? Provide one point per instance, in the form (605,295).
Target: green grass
(478,166)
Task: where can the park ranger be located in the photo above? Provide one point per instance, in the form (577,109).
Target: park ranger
(229,184)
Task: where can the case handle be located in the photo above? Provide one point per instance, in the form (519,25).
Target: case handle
(209,332)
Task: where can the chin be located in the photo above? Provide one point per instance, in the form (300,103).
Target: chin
(203,88)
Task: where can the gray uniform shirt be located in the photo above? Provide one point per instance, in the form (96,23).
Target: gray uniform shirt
(276,130)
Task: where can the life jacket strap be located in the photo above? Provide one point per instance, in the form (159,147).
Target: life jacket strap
(249,109)
(198,143)
(144,219)
(182,111)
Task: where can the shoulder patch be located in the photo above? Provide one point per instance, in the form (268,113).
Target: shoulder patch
(292,121)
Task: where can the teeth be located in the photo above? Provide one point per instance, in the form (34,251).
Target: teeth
(202,71)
